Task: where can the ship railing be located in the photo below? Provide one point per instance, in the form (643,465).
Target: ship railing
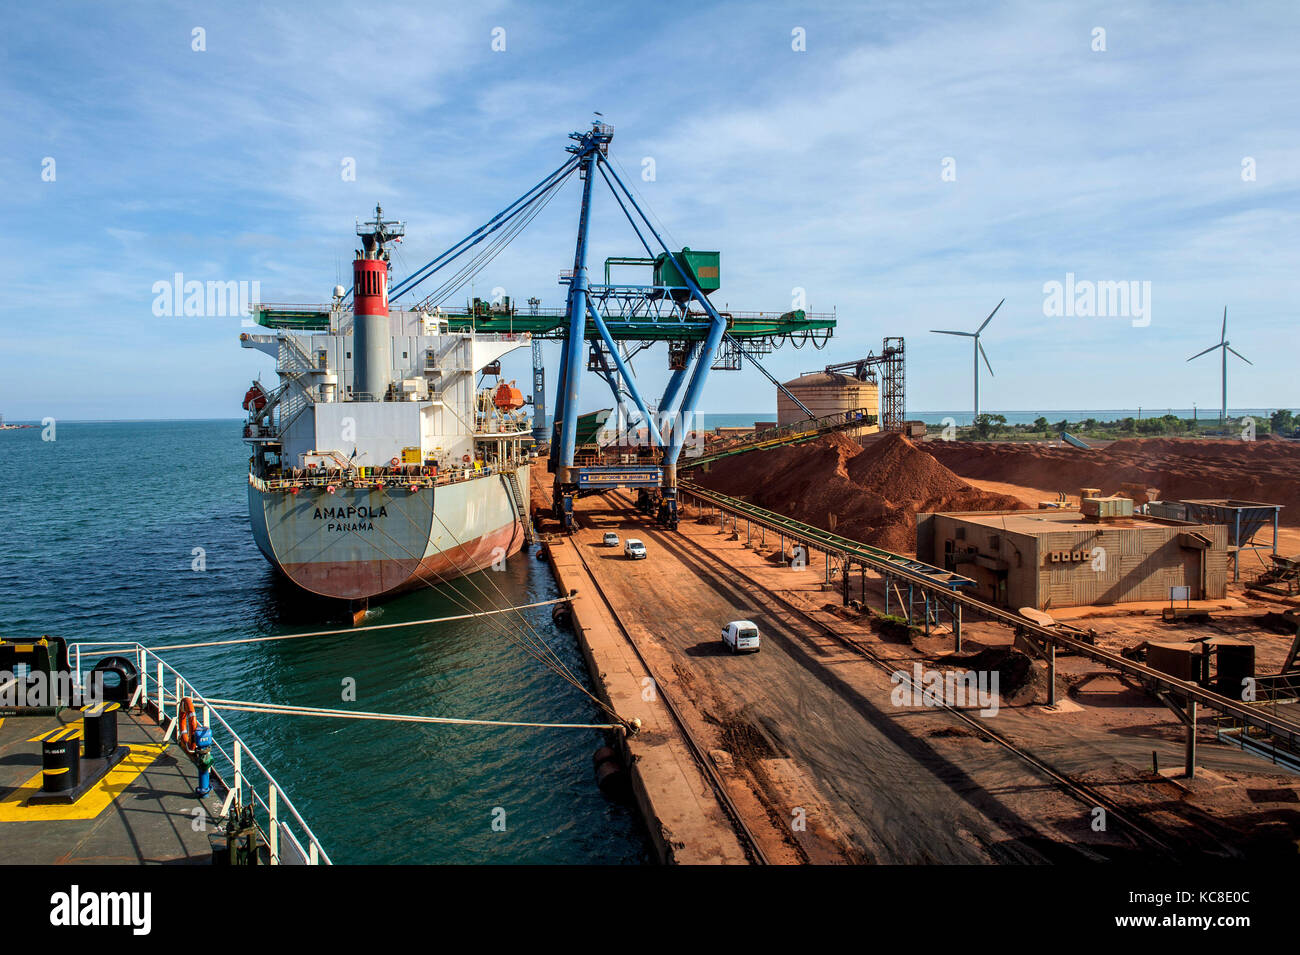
(243,776)
(396,480)
(504,336)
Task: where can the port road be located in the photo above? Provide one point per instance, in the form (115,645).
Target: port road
(834,770)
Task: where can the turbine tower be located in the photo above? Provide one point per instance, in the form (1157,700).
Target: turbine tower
(979,353)
(1223,344)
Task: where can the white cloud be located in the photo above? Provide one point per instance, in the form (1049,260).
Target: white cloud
(817,169)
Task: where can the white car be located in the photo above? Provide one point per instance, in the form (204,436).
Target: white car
(741,635)
(611,539)
(634,549)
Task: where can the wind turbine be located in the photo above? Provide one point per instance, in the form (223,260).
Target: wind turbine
(979,353)
(1223,343)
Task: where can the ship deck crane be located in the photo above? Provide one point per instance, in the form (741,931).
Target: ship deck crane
(674,308)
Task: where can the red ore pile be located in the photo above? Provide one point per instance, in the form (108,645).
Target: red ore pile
(870,493)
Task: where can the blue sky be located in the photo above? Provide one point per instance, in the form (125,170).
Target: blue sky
(818,169)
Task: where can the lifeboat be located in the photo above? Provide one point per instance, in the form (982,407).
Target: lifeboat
(508,397)
(255,398)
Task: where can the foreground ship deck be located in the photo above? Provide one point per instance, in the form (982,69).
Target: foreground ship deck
(142,812)
(140,804)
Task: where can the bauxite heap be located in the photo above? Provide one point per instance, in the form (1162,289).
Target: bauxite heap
(871,494)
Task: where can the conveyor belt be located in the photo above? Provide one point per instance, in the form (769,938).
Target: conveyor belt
(786,435)
(854,551)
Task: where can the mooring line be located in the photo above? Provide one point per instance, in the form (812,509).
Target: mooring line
(348,631)
(247,706)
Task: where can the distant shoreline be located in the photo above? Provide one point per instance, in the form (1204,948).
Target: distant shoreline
(713,419)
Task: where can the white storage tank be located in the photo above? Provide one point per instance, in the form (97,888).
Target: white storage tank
(827,394)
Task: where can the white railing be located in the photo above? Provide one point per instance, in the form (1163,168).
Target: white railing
(372,478)
(242,773)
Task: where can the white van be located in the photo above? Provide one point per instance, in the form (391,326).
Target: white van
(634,549)
(741,635)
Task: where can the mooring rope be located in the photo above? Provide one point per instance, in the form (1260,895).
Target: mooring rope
(534,645)
(349,630)
(247,706)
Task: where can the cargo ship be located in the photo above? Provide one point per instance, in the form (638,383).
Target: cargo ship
(379,461)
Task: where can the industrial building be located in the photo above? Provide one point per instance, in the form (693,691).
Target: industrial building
(1076,557)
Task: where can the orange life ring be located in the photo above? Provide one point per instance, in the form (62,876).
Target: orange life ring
(394,463)
(189,724)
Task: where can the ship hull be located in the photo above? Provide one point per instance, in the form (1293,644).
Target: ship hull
(362,543)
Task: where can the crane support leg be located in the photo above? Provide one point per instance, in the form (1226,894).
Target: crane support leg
(571,367)
(674,388)
(628,384)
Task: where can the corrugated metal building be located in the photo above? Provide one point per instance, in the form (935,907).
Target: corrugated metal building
(1057,558)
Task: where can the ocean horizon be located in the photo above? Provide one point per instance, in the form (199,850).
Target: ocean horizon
(714,419)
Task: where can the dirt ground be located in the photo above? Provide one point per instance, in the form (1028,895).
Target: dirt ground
(1105,729)
(808,730)
(822,763)
(806,725)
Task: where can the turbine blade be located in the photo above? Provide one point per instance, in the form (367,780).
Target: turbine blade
(985,357)
(1239,354)
(1223,332)
(990,318)
(963,334)
(1208,350)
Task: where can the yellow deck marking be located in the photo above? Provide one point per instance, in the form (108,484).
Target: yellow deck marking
(49,734)
(99,709)
(14,808)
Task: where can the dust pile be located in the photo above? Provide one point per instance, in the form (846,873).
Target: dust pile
(1181,468)
(871,493)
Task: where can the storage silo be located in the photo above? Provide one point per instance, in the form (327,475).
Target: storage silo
(825,394)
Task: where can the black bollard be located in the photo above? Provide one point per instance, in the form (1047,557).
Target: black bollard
(100,721)
(61,761)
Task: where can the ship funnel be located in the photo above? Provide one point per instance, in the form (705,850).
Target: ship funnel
(372,339)
(371,335)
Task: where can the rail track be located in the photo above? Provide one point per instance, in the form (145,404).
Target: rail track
(753,848)
(1143,832)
